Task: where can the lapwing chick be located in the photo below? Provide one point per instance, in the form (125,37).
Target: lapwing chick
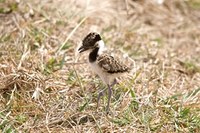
(106,66)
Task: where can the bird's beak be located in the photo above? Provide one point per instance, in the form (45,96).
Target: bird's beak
(82,49)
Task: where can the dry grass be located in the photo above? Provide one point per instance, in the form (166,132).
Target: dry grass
(38,40)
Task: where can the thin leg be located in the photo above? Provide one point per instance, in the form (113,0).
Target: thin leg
(114,82)
(101,93)
(109,98)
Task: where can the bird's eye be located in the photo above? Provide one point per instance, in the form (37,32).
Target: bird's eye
(93,35)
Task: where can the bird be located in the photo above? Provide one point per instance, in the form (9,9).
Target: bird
(104,65)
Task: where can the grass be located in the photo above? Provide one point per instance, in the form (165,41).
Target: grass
(38,56)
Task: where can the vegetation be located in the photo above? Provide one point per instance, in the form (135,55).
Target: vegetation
(46,86)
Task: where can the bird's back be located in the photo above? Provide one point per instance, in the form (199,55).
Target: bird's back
(111,65)
(108,68)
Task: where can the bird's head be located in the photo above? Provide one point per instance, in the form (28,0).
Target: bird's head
(90,42)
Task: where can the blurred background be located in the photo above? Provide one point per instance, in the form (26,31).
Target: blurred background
(44,87)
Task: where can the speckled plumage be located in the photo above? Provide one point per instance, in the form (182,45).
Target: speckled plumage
(110,65)
(91,39)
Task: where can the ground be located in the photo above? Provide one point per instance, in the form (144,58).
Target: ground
(46,86)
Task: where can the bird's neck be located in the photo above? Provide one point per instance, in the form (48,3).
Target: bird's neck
(96,51)
(93,55)
(101,46)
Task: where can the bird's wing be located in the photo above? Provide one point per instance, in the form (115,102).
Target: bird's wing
(111,65)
